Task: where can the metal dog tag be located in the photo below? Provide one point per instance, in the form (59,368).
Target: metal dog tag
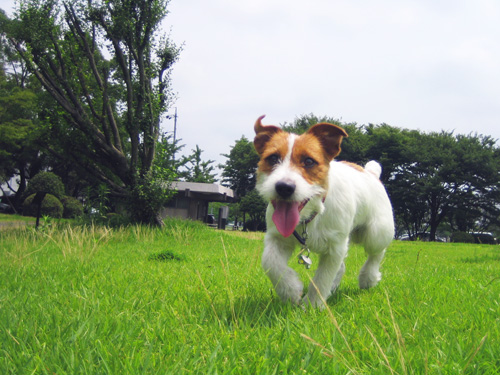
(305,260)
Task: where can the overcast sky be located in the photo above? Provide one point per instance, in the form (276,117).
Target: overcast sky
(428,65)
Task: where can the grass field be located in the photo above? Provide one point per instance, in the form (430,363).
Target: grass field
(190,300)
(9,221)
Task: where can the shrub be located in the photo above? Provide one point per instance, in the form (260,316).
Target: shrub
(72,208)
(254,226)
(51,206)
(462,237)
(46,182)
(484,238)
(116,220)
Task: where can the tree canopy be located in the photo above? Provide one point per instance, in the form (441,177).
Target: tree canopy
(434,179)
(107,67)
(239,170)
(437,181)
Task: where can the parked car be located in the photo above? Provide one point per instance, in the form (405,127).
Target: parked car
(5,207)
(425,237)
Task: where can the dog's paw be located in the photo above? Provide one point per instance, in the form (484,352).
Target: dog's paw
(369,279)
(312,302)
(290,292)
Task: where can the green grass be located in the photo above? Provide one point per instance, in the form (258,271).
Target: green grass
(190,300)
(15,218)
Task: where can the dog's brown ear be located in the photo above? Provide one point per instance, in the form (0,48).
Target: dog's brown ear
(263,134)
(330,137)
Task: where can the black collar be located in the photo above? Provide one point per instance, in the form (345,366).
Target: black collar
(300,238)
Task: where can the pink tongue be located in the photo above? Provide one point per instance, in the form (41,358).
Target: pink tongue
(286,216)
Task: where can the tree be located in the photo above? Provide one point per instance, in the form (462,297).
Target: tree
(238,172)
(17,125)
(353,148)
(196,170)
(22,98)
(432,179)
(253,204)
(109,112)
(46,182)
(477,184)
(438,177)
(166,149)
(303,122)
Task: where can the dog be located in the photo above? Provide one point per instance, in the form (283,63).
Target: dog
(335,201)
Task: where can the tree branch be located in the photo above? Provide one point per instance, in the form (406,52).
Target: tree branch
(81,37)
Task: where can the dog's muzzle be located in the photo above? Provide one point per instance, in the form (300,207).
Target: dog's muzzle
(285,189)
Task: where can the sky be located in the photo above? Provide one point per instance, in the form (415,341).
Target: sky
(427,65)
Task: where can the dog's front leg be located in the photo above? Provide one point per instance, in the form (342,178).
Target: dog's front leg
(327,278)
(286,282)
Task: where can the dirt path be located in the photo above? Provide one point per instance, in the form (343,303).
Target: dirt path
(14,224)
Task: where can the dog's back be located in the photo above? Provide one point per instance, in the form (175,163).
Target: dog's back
(356,204)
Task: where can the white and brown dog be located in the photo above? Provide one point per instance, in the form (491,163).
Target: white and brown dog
(339,201)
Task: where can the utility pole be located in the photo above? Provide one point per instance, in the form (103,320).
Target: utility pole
(175,131)
(175,125)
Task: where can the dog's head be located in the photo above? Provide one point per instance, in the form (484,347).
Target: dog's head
(293,170)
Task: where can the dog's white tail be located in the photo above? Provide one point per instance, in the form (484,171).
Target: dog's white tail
(374,168)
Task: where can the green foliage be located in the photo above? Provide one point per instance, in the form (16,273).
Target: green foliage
(166,151)
(239,173)
(107,69)
(17,124)
(16,114)
(73,208)
(47,182)
(302,123)
(149,194)
(96,203)
(432,179)
(253,205)
(235,213)
(51,206)
(239,170)
(115,220)
(197,170)
(462,237)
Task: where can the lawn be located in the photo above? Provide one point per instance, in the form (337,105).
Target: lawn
(8,221)
(191,300)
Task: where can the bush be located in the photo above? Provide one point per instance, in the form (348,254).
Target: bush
(116,220)
(47,182)
(484,238)
(72,208)
(51,206)
(462,237)
(254,226)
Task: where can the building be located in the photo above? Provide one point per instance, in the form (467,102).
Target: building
(192,199)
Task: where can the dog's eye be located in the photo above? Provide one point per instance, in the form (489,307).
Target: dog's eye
(273,159)
(309,162)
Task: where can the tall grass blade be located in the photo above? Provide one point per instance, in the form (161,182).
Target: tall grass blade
(335,322)
(380,350)
(399,336)
(475,353)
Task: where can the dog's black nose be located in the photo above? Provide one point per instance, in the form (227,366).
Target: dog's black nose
(285,189)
